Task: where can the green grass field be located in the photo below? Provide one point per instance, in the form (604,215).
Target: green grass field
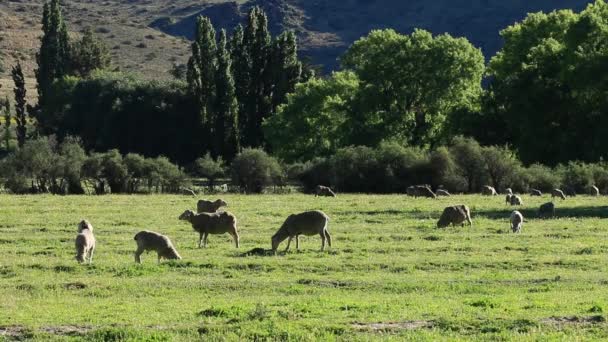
(391,275)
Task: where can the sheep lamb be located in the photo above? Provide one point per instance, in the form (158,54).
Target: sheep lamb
(307,223)
(535,192)
(85,242)
(516,200)
(212,223)
(547,210)
(458,214)
(325,191)
(558,193)
(489,191)
(205,206)
(517,221)
(151,241)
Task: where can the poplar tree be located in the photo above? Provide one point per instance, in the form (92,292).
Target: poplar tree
(7,124)
(201,68)
(20,103)
(241,68)
(54,56)
(226,108)
(286,68)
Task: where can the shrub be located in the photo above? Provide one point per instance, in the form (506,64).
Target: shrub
(467,154)
(253,169)
(209,168)
(501,166)
(542,178)
(576,176)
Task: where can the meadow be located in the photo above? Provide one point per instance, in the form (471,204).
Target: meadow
(390,275)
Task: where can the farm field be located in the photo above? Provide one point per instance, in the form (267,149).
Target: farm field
(390,275)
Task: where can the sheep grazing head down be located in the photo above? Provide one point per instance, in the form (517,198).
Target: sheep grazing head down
(85,224)
(221,203)
(186,215)
(277,238)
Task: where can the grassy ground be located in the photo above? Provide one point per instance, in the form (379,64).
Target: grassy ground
(389,265)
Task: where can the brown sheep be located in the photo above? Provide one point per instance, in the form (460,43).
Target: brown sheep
(535,192)
(489,191)
(458,214)
(516,200)
(307,223)
(558,193)
(442,192)
(325,191)
(547,210)
(212,223)
(421,191)
(151,241)
(517,221)
(205,206)
(85,242)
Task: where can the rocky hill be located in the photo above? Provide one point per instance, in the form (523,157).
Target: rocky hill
(148,36)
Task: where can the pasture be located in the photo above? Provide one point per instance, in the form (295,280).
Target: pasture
(390,275)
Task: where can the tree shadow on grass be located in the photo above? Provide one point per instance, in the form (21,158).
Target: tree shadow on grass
(560,212)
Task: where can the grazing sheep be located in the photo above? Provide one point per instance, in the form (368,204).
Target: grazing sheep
(517,221)
(188,192)
(151,241)
(536,192)
(307,223)
(421,191)
(489,191)
(558,193)
(594,191)
(547,210)
(455,215)
(205,206)
(509,191)
(85,242)
(570,192)
(212,223)
(508,198)
(443,193)
(516,200)
(326,191)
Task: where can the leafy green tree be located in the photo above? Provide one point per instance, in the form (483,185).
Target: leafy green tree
(241,70)
(210,168)
(226,128)
(254,169)
(286,67)
(313,122)
(20,103)
(88,54)
(501,165)
(53,57)
(468,156)
(411,83)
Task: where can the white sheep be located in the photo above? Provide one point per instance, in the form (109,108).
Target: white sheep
(489,191)
(535,192)
(205,206)
(517,221)
(558,193)
(152,241)
(594,191)
(85,242)
(516,200)
(326,191)
(509,191)
(212,223)
(307,223)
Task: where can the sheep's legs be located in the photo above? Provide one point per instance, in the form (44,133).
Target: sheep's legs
(328,237)
(235,237)
(298,242)
(200,240)
(205,241)
(288,243)
(322,241)
(91,255)
(137,255)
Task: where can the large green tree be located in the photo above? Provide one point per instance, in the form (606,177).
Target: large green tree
(53,57)
(89,54)
(549,82)
(410,84)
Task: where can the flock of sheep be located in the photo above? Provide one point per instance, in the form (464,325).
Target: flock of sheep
(210,219)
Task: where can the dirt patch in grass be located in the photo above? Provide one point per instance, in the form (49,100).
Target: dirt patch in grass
(394,326)
(67,330)
(15,332)
(573,320)
(75,286)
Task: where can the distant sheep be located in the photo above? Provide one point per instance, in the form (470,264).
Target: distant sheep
(421,191)
(508,198)
(535,192)
(594,191)
(558,193)
(151,241)
(509,191)
(188,192)
(325,191)
(85,242)
(458,214)
(212,223)
(307,223)
(547,210)
(516,200)
(517,221)
(205,206)
(489,191)
(442,193)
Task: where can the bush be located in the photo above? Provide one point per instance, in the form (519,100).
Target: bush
(501,166)
(542,178)
(209,168)
(576,177)
(253,169)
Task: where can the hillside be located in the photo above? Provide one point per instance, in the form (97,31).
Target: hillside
(145,36)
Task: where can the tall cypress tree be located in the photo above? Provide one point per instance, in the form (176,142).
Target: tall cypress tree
(202,67)
(54,56)
(20,103)
(241,68)
(226,105)
(7,124)
(286,68)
